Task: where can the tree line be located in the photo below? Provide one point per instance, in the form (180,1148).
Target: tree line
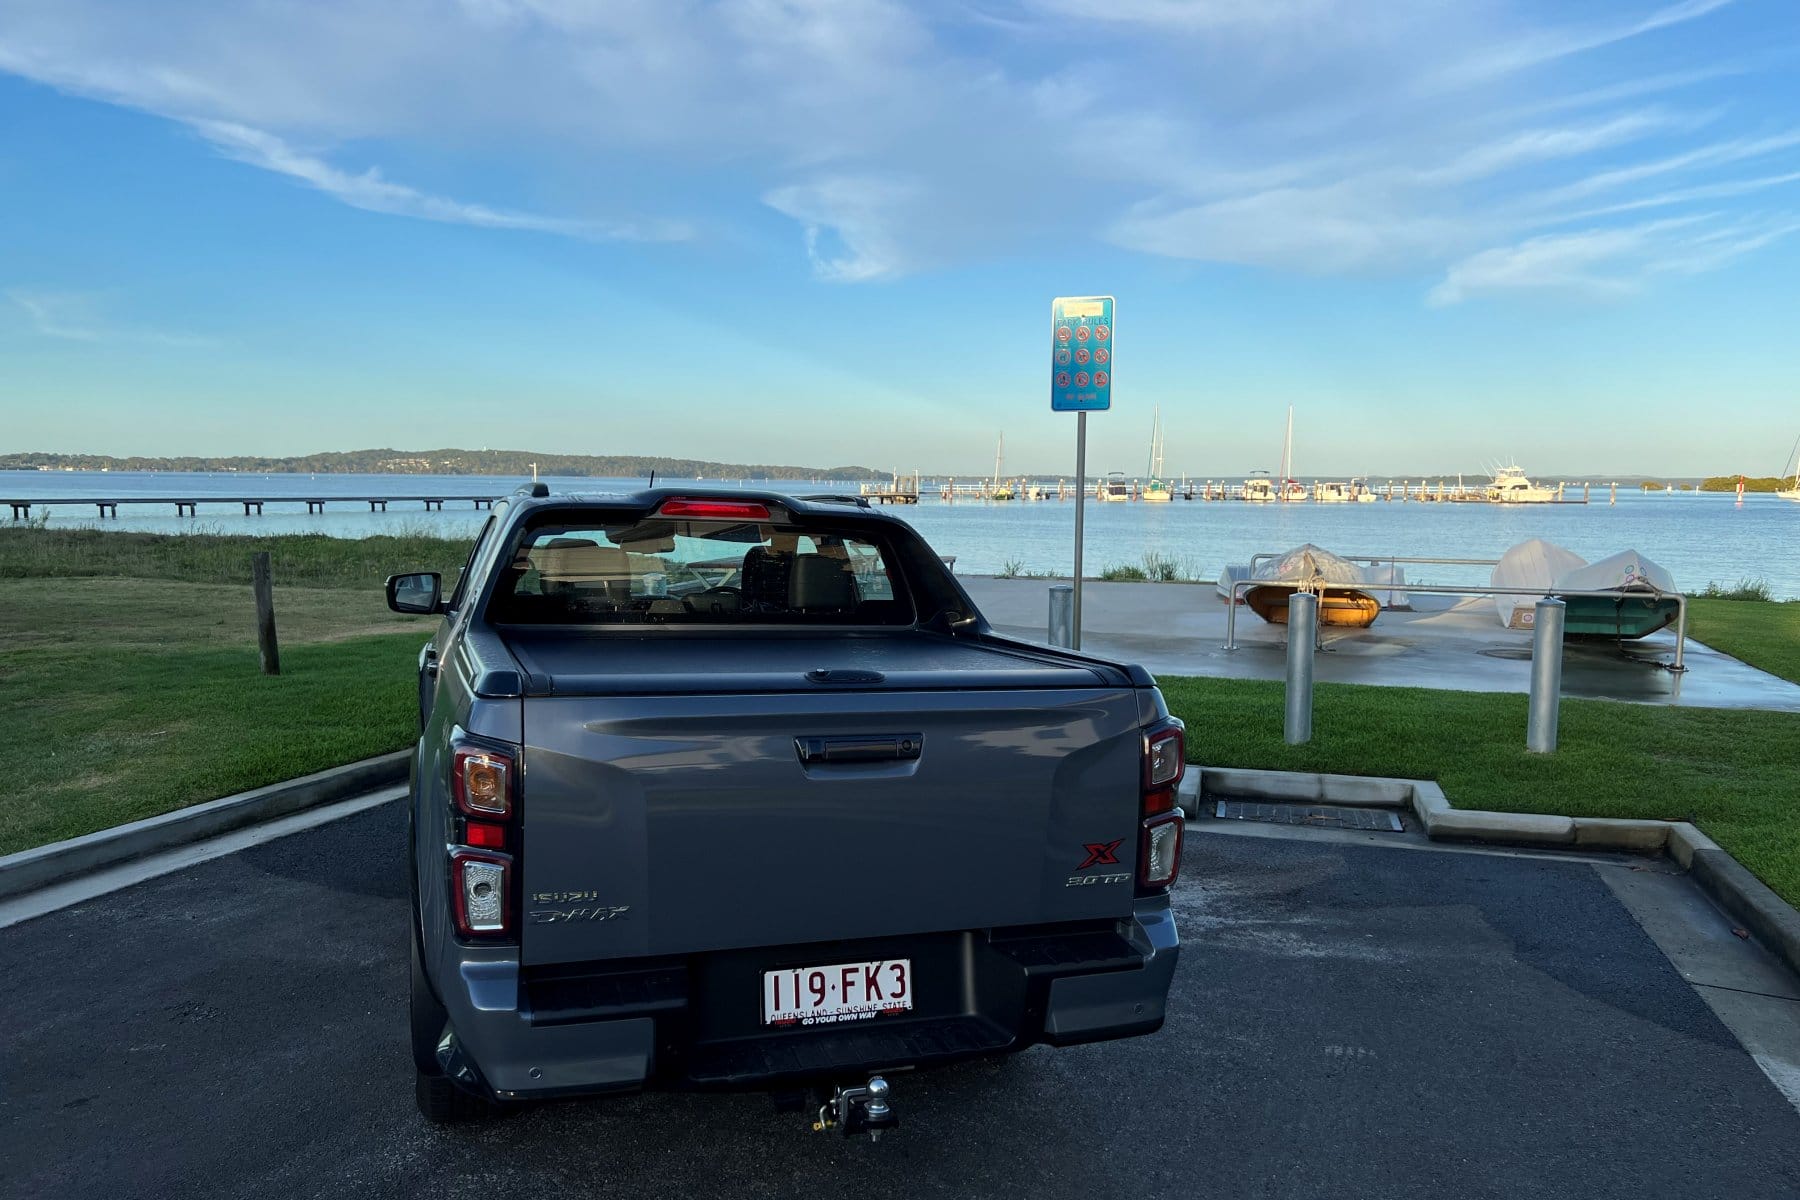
(1757,483)
(441,462)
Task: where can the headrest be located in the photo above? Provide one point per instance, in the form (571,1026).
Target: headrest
(581,563)
(821,581)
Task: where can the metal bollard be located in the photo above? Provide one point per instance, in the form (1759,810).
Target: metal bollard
(1303,633)
(1062,615)
(1546,675)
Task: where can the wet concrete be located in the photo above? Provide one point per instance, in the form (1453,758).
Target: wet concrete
(1179,629)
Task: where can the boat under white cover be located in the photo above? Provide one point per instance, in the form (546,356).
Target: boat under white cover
(1536,564)
(1626,571)
(1387,581)
(1344,595)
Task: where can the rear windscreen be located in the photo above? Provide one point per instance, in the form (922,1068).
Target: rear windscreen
(659,570)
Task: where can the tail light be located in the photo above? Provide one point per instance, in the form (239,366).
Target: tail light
(484,784)
(1159,846)
(481,781)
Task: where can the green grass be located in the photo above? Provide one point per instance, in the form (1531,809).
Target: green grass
(1733,772)
(129,698)
(1765,634)
(303,560)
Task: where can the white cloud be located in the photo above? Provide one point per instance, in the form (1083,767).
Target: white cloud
(847,223)
(1608,262)
(81,317)
(1319,136)
(1548,45)
(369,191)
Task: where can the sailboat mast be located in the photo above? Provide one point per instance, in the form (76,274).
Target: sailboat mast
(1287,453)
(999,457)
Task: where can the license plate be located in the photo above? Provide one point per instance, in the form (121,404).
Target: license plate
(842,992)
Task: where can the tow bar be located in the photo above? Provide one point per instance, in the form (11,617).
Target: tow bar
(858,1110)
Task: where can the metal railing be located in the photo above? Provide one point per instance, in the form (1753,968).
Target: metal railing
(1681,602)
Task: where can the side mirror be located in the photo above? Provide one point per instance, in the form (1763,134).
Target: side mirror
(418,592)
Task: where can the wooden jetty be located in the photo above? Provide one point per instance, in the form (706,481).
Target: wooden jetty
(189,506)
(902,489)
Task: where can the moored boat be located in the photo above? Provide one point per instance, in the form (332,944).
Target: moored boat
(1113,488)
(1511,486)
(1156,490)
(1259,488)
(1344,599)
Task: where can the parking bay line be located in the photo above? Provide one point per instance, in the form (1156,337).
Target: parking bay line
(1752,993)
(111,879)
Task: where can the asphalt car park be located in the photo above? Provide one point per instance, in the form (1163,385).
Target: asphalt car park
(1351,1017)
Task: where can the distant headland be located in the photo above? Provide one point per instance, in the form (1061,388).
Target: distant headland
(439,462)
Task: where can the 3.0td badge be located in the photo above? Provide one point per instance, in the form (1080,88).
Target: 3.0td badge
(1099,854)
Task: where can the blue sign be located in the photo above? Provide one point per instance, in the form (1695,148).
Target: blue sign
(1081,353)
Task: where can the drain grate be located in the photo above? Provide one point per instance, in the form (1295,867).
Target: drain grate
(1324,816)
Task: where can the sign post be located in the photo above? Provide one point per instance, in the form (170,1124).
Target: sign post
(1081,370)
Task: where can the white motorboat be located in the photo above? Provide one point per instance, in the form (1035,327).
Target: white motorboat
(1259,487)
(1331,493)
(1113,489)
(1511,486)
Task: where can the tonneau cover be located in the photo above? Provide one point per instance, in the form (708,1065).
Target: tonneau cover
(559,662)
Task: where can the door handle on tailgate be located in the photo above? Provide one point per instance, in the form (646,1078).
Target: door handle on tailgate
(881,747)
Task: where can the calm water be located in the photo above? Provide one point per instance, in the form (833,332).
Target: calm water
(1698,537)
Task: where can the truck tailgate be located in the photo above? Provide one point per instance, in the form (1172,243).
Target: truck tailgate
(658,824)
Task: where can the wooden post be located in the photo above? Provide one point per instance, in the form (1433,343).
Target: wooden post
(260,583)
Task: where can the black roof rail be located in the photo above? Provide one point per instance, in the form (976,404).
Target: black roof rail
(835,498)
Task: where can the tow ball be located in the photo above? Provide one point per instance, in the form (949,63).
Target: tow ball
(853,1110)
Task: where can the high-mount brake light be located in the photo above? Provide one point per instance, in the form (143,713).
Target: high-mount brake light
(481,781)
(713,509)
(1159,849)
(480,893)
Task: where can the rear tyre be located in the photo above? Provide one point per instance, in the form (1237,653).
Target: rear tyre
(428,1018)
(440,1101)
(443,1103)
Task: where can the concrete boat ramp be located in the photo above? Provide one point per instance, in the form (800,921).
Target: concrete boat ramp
(1179,629)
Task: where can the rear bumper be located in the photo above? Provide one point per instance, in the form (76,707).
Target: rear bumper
(692,1023)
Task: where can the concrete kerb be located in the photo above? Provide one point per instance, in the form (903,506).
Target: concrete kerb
(1746,898)
(29,870)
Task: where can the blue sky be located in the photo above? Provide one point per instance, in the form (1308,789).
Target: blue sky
(828,231)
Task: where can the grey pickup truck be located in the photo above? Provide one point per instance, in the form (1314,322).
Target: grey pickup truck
(727,789)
